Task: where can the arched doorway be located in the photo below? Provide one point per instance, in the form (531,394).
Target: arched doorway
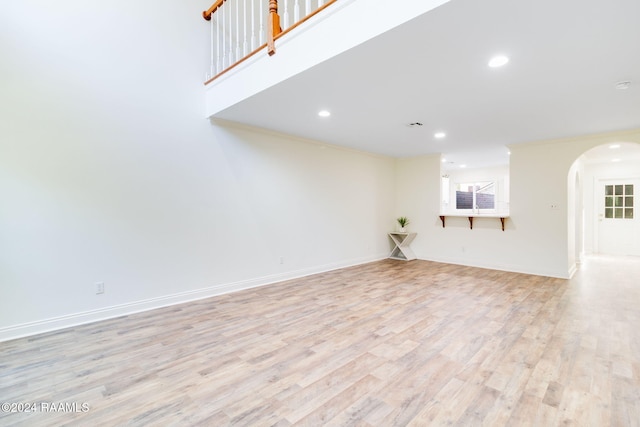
(605,182)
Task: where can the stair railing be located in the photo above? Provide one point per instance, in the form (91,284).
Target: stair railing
(241,28)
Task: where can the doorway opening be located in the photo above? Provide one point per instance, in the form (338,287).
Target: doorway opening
(607,217)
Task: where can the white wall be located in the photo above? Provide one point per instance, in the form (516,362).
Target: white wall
(109,173)
(418,196)
(536,238)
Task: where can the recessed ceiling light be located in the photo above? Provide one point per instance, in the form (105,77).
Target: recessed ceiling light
(614,146)
(623,85)
(463,166)
(498,61)
(324,113)
(444,160)
(439,135)
(615,160)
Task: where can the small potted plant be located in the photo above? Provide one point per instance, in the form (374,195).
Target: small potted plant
(403,221)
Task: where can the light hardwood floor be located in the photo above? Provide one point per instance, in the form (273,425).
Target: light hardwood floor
(390,343)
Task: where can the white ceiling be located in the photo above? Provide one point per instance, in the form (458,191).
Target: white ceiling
(566,57)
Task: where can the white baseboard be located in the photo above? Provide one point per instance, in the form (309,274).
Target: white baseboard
(75,319)
(501,267)
(572,270)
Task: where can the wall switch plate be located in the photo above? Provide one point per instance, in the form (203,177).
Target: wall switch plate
(99,288)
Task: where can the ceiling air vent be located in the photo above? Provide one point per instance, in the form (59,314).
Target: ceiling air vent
(623,85)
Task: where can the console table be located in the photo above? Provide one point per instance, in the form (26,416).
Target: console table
(401,249)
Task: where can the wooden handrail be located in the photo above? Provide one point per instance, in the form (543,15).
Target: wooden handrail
(207,13)
(306,18)
(273,32)
(235,64)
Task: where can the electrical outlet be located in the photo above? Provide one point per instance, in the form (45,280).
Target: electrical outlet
(281,260)
(99,288)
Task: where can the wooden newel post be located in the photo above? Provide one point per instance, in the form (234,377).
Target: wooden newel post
(273,26)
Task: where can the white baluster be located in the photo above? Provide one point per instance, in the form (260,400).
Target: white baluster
(296,11)
(254,42)
(238,56)
(263,11)
(218,48)
(223,25)
(227,36)
(285,18)
(245,19)
(320,3)
(307,7)
(211,66)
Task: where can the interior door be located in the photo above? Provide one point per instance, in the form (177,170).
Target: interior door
(618,223)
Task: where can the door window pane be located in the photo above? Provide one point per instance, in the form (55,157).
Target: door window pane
(618,201)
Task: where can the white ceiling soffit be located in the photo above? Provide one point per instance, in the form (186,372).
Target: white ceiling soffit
(565,59)
(612,153)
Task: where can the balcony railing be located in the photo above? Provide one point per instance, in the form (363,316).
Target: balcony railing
(242,28)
